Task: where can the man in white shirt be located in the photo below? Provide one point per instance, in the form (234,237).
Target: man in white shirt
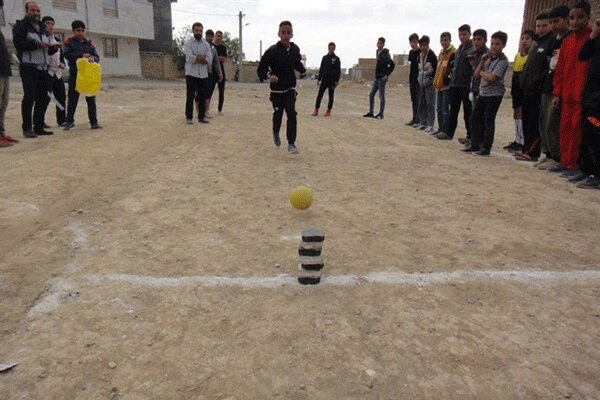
(198,55)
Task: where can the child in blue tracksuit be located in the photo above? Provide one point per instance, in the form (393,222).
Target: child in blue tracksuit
(79,47)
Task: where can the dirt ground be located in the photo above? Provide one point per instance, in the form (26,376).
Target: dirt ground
(155,260)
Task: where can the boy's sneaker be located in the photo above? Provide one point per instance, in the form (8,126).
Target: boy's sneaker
(540,162)
(577,177)
(569,173)
(547,165)
(68,126)
(43,132)
(327,113)
(292,149)
(378,116)
(591,182)
(463,140)
(276,139)
(442,136)
(470,149)
(315,112)
(9,138)
(411,123)
(510,146)
(483,152)
(557,168)
(96,126)
(429,130)
(189,121)
(5,143)
(416,125)
(29,134)
(368,115)
(203,120)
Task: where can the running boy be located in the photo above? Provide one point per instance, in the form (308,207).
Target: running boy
(79,47)
(328,78)
(279,64)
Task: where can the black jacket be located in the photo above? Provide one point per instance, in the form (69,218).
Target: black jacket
(4,57)
(591,91)
(330,69)
(413,59)
(385,64)
(537,66)
(27,42)
(74,49)
(462,71)
(281,62)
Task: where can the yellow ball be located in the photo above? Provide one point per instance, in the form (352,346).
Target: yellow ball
(301,197)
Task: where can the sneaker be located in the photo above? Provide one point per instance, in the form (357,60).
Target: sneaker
(510,146)
(62,124)
(577,177)
(416,125)
(10,138)
(68,126)
(540,162)
(422,127)
(29,134)
(470,149)
(568,173)
(328,113)
(429,130)
(203,121)
(368,115)
(548,164)
(591,182)
(292,149)
(557,168)
(483,152)
(276,139)
(43,132)
(96,126)
(378,116)
(411,122)
(434,132)
(442,136)
(315,112)
(5,143)
(189,121)
(462,140)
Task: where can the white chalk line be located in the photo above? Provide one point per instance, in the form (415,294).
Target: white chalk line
(381,278)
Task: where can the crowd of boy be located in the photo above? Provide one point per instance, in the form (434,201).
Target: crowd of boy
(555,94)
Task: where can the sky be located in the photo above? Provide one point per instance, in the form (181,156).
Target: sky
(352,24)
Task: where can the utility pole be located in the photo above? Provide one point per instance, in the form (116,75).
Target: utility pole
(240,16)
(261,49)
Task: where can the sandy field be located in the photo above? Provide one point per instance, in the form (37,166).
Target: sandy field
(157,260)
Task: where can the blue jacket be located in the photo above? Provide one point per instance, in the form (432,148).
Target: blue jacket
(74,49)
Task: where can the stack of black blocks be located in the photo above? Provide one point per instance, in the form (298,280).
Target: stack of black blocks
(311,260)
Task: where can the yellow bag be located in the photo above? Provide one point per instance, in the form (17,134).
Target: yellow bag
(89,77)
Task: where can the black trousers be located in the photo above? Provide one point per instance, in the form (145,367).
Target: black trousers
(483,121)
(531,127)
(213,79)
(35,97)
(325,85)
(196,89)
(221,86)
(414,99)
(74,99)
(459,95)
(285,102)
(57,87)
(590,145)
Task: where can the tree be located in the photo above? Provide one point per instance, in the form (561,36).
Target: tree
(184,34)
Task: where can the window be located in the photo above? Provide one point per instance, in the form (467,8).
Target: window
(110,8)
(2,20)
(110,47)
(69,5)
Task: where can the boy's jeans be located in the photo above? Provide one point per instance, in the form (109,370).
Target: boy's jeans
(443,109)
(378,84)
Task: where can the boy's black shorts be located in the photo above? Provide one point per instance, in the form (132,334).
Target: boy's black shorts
(516,92)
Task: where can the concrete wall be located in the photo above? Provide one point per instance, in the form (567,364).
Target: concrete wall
(163,32)
(157,65)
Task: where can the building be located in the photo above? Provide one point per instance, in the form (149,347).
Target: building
(534,7)
(163,28)
(115,27)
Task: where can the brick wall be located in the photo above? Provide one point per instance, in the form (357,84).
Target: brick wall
(159,66)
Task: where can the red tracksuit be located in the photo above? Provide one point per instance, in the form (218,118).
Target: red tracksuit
(569,81)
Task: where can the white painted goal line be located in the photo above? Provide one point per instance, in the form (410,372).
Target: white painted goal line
(382,278)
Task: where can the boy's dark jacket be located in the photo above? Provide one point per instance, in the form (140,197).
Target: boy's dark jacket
(282,63)
(74,49)
(385,64)
(330,69)
(461,68)
(537,66)
(591,91)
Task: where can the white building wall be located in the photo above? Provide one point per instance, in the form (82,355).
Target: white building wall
(128,61)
